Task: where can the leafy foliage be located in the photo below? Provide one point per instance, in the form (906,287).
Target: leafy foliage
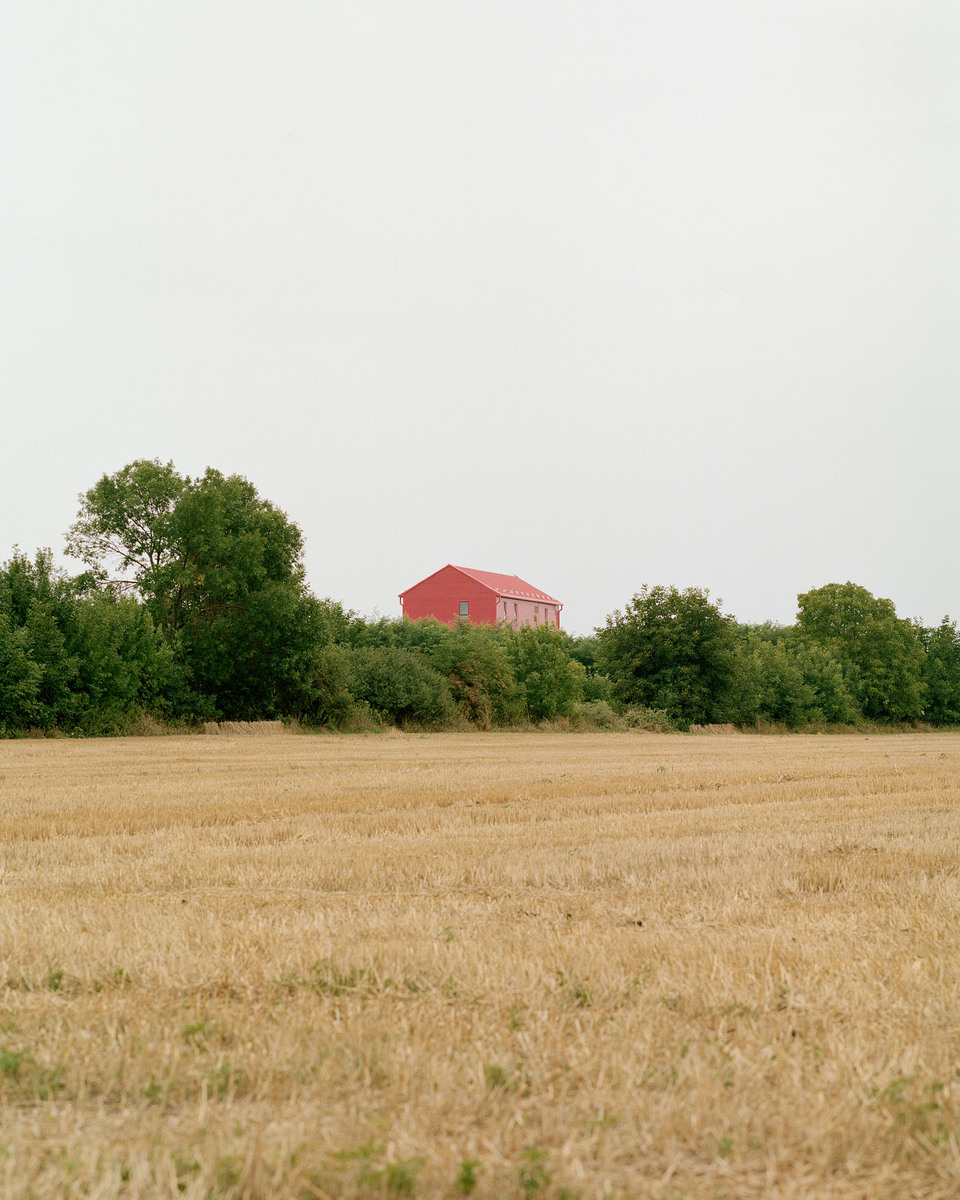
(477,662)
(75,660)
(783,679)
(399,685)
(549,680)
(219,570)
(882,654)
(124,529)
(20,678)
(672,650)
(941,673)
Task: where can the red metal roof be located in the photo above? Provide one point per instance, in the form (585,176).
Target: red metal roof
(508,585)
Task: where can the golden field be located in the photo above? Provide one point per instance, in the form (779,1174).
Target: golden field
(500,965)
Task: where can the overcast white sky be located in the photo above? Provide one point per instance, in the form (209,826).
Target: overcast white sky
(601,294)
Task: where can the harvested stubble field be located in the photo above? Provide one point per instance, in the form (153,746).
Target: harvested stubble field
(506,965)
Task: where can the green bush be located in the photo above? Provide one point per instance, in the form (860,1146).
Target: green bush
(673,650)
(475,660)
(650,720)
(550,682)
(331,702)
(400,686)
(596,714)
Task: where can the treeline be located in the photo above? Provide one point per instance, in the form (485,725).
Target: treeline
(194,607)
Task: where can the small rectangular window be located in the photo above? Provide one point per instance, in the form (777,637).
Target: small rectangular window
(536,614)
(504,610)
(464,609)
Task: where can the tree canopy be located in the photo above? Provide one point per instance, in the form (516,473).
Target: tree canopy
(220,571)
(882,654)
(123,531)
(672,650)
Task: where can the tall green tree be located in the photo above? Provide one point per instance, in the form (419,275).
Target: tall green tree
(671,649)
(941,673)
(882,654)
(220,570)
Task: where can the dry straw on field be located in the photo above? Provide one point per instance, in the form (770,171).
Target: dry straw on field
(254,728)
(517,965)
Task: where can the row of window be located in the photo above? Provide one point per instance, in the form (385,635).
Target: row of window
(465,612)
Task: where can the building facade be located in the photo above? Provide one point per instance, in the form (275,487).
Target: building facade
(455,594)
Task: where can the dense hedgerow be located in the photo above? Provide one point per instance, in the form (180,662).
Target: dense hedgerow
(194,607)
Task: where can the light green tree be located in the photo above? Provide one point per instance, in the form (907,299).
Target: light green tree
(549,681)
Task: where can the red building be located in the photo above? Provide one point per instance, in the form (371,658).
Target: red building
(483,597)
